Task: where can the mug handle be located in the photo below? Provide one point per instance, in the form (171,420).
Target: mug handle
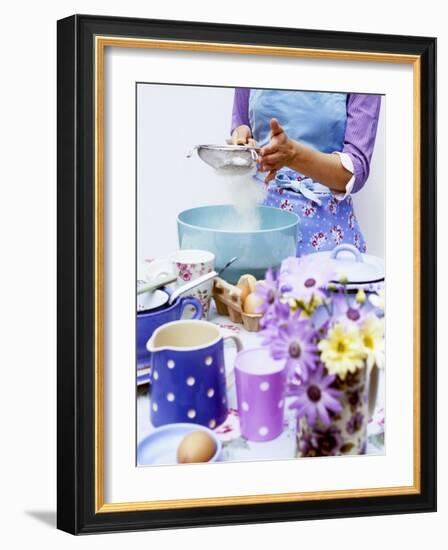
(192,302)
(373,389)
(228,335)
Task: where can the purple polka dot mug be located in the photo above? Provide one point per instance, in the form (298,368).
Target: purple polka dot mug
(260,391)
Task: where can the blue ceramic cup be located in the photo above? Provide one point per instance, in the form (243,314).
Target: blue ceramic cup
(149,321)
(188,378)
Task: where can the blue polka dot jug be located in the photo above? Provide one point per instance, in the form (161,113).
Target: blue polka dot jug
(188,378)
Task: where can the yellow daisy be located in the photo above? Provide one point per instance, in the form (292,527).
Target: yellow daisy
(372,338)
(342,350)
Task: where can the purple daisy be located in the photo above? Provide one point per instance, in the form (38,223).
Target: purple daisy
(295,342)
(268,291)
(303,278)
(273,321)
(347,310)
(315,398)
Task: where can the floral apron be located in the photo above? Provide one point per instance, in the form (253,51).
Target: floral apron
(318,120)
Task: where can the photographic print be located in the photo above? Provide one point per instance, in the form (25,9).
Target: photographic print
(261,277)
(246,274)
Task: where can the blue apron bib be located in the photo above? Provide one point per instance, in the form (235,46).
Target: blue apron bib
(318,120)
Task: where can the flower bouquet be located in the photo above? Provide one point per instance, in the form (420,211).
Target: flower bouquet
(332,342)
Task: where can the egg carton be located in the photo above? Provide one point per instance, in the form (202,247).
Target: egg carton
(228,302)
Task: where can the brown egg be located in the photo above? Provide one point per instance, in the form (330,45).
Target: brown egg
(196,447)
(252,303)
(247,285)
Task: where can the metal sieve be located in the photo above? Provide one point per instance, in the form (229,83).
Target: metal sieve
(228,159)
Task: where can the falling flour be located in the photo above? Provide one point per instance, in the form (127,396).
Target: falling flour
(245,194)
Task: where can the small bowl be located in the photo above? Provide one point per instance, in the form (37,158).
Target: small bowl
(160,447)
(152,301)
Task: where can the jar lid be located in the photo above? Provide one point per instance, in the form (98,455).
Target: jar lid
(349,263)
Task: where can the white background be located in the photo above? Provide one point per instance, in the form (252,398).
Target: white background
(27,225)
(189,115)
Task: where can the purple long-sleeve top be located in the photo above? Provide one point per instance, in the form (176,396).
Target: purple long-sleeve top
(360,131)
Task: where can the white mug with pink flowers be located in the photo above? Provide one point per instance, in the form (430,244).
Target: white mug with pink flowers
(189,265)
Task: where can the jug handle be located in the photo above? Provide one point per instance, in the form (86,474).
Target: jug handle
(228,335)
(195,303)
(373,389)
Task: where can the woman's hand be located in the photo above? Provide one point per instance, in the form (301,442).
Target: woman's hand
(242,135)
(279,152)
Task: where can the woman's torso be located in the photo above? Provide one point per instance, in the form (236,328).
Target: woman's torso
(318,120)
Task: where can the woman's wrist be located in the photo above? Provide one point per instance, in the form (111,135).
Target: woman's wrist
(294,154)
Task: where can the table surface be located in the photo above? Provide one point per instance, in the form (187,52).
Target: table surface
(234,446)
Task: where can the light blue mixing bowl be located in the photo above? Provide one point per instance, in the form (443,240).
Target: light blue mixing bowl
(220,230)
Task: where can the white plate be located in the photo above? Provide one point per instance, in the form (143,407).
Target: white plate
(160,447)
